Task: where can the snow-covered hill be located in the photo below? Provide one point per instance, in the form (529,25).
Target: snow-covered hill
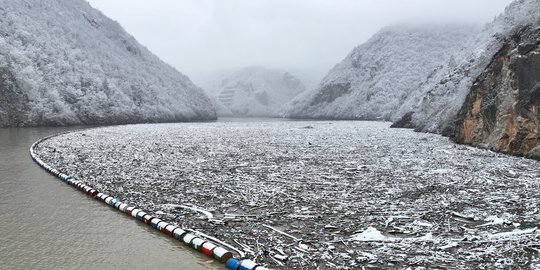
(377,78)
(437,107)
(254,91)
(63,62)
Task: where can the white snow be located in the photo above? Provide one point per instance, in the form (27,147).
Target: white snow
(76,66)
(253,91)
(503,235)
(494,220)
(383,72)
(372,235)
(449,246)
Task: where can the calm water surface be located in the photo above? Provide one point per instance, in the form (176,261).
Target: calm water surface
(46,224)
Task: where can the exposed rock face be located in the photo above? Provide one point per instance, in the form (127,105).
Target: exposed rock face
(501,111)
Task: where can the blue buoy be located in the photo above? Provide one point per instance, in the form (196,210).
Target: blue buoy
(232,264)
(113,202)
(140,215)
(154,222)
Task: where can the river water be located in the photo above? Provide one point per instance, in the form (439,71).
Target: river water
(46,224)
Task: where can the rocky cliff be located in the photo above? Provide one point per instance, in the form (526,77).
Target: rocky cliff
(63,62)
(501,111)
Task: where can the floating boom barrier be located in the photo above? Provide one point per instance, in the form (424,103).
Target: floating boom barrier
(190,238)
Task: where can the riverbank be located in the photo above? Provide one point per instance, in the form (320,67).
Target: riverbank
(333,195)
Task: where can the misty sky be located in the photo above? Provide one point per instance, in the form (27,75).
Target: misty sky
(307,37)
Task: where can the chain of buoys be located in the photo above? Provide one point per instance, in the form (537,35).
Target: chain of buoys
(188,237)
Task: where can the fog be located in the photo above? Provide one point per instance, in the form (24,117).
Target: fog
(306,37)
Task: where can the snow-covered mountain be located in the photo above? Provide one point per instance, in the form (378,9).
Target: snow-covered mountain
(437,107)
(63,62)
(377,78)
(254,91)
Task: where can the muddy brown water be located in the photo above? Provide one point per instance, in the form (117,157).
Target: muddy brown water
(46,224)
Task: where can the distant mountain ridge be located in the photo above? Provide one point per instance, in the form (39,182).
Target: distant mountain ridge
(63,62)
(376,80)
(254,91)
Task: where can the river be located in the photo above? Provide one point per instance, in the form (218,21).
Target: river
(46,224)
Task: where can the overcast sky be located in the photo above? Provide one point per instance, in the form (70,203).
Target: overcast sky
(306,37)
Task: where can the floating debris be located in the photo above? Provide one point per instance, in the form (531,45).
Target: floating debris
(416,200)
